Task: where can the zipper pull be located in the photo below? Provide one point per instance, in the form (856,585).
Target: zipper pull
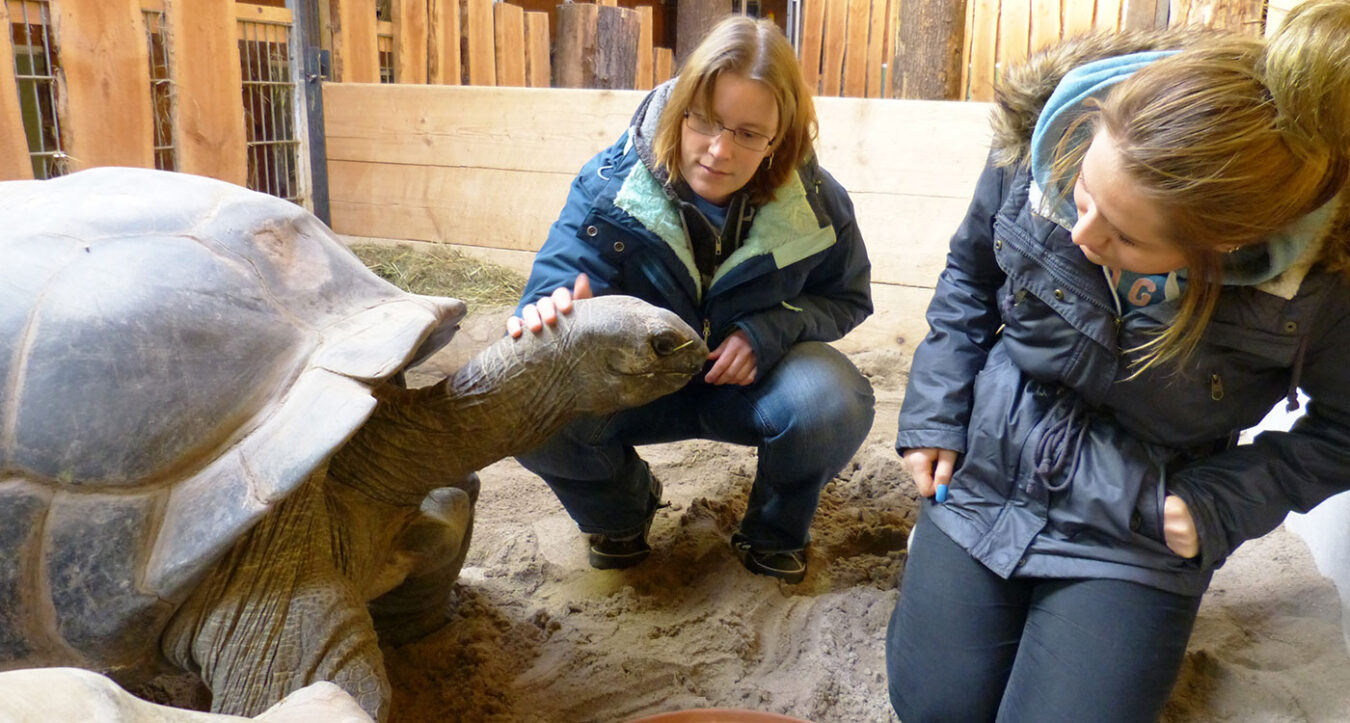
(707,330)
(1215,387)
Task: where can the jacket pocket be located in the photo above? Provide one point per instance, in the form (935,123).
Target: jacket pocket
(1116,497)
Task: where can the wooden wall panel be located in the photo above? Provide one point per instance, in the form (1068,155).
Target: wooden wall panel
(1078,17)
(663,65)
(105,100)
(356,57)
(1045,23)
(813,27)
(410,41)
(478,34)
(209,124)
(15,163)
(983,49)
(832,61)
(855,49)
(643,77)
(443,63)
(538,68)
(876,47)
(1014,31)
(508,23)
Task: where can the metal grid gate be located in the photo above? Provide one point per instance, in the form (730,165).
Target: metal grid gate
(269,108)
(35,71)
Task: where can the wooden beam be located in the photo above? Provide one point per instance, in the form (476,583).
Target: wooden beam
(356,56)
(443,64)
(855,51)
(1107,18)
(1045,23)
(616,50)
(410,41)
(262,14)
(574,62)
(693,20)
(538,69)
(481,56)
(929,49)
(105,106)
(642,74)
(1078,17)
(832,61)
(876,45)
(983,50)
(663,65)
(508,22)
(15,164)
(1014,32)
(208,122)
(813,27)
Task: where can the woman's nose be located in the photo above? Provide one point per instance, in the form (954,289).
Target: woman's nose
(720,144)
(1087,230)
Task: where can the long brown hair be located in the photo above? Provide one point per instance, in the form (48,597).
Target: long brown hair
(758,50)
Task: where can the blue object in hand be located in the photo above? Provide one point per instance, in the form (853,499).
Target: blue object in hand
(941,494)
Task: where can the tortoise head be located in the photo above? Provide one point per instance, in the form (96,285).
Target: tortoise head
(622,352)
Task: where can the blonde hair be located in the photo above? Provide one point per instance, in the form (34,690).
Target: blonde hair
(758,50)
(1233,138)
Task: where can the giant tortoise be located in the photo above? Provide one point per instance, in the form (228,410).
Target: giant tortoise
(205,458)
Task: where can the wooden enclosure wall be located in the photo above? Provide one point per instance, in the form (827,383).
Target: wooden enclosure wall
(489,168)
(105,107)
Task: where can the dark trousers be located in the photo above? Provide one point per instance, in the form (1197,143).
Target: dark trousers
(966,645)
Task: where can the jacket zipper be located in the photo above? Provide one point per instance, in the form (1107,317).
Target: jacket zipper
(1215,387)
(707,330)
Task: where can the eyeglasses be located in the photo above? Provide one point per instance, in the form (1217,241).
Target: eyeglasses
(704,125)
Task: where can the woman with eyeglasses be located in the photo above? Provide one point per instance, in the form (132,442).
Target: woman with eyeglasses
(712,205)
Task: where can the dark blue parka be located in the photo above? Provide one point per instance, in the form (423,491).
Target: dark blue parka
(1065,456)
(801,273)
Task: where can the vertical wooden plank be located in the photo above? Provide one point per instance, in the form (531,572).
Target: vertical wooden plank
(1138,14)
(105,98)
(356,58)
(443,65)
(1108,16)
(642,79)
(693,20)
(663,63)
(1014,32)
(855,49)
(538,71)
(929,50)
(608,3)
(509,32)
(1045,23)
(1078,17)
(574,64)
(832,64)
(813,25)
(15,164)
(481,58)
(209,122)
(983,50)
(876,43)
(617,29)
(410,41)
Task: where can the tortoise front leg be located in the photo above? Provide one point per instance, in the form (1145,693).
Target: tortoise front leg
(276,615)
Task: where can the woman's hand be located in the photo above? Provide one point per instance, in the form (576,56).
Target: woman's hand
(1179,527)
(733,361)
(932,470)
(547,309)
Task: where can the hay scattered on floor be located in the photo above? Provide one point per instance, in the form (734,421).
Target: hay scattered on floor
(443,271)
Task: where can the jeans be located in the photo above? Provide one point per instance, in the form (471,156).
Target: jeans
(807,417)
(966,645)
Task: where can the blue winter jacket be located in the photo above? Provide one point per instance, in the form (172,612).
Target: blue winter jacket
(802,273)
(1065,457)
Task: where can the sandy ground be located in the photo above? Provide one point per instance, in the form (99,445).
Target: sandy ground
(540,636)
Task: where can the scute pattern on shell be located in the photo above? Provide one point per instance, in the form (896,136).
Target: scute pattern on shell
(176,354)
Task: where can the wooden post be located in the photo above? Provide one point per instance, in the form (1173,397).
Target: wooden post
(832,62)
(104,86)
(208,121)
(928,50)
(509,31)
(855,53)
(410,41)
(643,71)
(876,43)
(813,25)
(482,58)
(693,20)
(538,69)
(983,38)
(616,48)
(443,64)
(574,61)
(15,164)
(663,63)
(356,56)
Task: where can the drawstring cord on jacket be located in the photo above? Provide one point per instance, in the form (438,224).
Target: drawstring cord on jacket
(1060,443)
